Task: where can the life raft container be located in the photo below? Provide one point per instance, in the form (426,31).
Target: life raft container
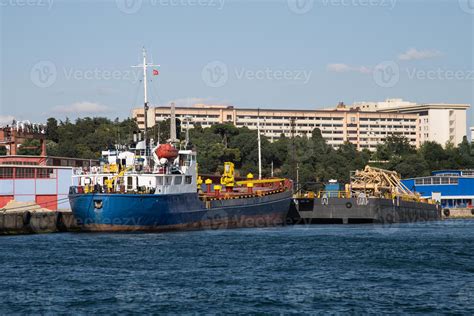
(167,151)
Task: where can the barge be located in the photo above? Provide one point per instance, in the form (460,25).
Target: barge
(373,196)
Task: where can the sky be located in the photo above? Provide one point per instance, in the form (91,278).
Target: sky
(73,59)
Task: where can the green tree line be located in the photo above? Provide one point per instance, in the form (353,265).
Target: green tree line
(311,158)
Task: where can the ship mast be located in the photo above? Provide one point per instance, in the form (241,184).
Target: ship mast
(259,147)
(144,66)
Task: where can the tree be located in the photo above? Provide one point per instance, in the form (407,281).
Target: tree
(161,131)
(30,147)
(52,129)
(225,131)
(394,146)
(317,161)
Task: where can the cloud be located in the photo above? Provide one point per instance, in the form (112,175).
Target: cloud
(6,120)
(347,68)
(81,107)
(414,54)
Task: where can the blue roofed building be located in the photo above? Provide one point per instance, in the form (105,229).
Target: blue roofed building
(452,188)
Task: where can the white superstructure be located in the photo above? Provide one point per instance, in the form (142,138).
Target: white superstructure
(126,173)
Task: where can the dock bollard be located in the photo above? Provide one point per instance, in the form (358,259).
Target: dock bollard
(250,187)
(250,184)
(217,189)
(208,183)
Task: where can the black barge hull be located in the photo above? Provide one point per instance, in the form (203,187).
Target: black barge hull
(359,211)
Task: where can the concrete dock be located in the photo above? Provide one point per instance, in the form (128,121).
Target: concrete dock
(459,213)
(36,222)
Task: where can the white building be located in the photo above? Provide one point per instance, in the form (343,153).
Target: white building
(472,133)
(365,129)
(439,122)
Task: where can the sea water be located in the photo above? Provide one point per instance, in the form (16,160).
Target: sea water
(401,268)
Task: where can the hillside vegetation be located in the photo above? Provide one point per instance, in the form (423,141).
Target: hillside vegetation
(316,161)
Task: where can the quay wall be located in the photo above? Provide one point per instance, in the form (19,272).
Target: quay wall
(458,213)
(34,222)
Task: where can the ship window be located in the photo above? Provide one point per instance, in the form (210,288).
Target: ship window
(178,180)
(437,180)
(168,180)
(419,181)
(444,180)
(6,173)
(159,180)
(25,173)
(454,181)
(188,179)
(45,173)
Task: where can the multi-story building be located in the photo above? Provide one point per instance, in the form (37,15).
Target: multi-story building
(439,122)
(472,133)
(365,129)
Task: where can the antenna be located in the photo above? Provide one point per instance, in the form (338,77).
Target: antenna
(187,119)
(145,96)
(259,146)
(173,124)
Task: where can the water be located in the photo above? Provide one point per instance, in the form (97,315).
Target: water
(406,268)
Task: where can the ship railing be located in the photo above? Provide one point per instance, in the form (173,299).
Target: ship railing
(97,188)
(334,194)
(323,194)
(262,182)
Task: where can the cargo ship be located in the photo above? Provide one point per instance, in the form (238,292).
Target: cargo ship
(373,195)
(157,188)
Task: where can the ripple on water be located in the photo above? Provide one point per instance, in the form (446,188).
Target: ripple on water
(415,268)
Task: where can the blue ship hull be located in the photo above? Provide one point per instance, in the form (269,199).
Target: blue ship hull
(150,212)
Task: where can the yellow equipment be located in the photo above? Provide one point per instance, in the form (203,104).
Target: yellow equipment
(227,178)
(199,182)
(109,184)
(110,168)
(380,183)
